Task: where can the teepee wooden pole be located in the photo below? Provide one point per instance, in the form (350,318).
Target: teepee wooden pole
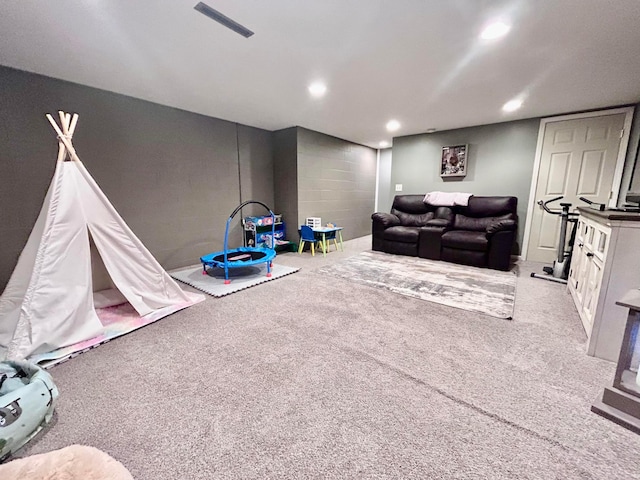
(74,122)
(63,138)
(68,124)
(64,125)
(62,150)
(53,124)
(64,122)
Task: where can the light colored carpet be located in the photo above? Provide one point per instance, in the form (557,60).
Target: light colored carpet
(241,278)
(474,289)
(320,377)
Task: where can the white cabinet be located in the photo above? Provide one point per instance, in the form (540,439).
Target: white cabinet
(585,274)
(605,264)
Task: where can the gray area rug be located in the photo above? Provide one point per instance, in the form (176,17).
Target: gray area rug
(241,278)
(475,289)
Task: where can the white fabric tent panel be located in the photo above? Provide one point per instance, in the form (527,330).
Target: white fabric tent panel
(133,270)
(13,295)
(58,304)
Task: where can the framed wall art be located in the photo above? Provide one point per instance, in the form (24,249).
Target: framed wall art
(454,161)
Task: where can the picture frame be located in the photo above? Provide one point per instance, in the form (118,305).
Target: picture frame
(454,161)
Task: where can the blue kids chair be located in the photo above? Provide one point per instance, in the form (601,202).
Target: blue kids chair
(307,235)
(331,236)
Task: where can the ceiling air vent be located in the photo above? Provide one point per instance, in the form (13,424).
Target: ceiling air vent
(212,13)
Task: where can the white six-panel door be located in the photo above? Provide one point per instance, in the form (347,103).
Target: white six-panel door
(578,159)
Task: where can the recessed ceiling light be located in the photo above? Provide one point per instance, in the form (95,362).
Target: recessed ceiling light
(384,144)
(317,89)
(512,105)
(431,130)
(495,30)
(393,125)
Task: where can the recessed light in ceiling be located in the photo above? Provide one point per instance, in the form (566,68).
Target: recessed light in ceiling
(431,130)
(222,19)
(495,30)
(317,89)
(512,105)
(393,125)
(384,144)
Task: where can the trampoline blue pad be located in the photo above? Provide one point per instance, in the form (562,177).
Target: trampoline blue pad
(239,257)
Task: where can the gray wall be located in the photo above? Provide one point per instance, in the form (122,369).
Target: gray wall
(171,174)
(336,181)
(500,162)
(285,166)
(385,197)
(256,168)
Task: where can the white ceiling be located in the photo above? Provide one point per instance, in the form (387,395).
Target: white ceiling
(418,61)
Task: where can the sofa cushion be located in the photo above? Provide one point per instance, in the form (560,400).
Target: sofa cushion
(413,220)
(402,234)
(411,204)
(489,206)
(465,240)
(477,224)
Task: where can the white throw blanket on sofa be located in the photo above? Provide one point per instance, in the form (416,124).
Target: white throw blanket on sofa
(447,199)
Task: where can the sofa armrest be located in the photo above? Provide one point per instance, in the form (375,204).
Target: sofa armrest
(501,226)
(384,220)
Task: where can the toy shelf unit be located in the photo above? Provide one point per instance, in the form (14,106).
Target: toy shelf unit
(257,233)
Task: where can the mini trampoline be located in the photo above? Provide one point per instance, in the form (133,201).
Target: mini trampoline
(242,256)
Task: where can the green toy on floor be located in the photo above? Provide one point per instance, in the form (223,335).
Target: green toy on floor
(27,399)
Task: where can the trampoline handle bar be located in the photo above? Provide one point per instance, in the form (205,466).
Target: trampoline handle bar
(244,204)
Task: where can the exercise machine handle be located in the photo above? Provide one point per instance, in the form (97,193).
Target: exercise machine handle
(547,209)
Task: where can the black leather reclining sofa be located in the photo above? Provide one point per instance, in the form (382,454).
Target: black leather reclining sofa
(481,234)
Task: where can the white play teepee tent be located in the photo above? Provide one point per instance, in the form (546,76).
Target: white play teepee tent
(48,302)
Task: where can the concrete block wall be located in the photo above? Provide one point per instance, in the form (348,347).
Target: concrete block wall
(285,172)
(336,182)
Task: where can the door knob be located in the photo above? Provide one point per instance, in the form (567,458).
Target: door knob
(589,254)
